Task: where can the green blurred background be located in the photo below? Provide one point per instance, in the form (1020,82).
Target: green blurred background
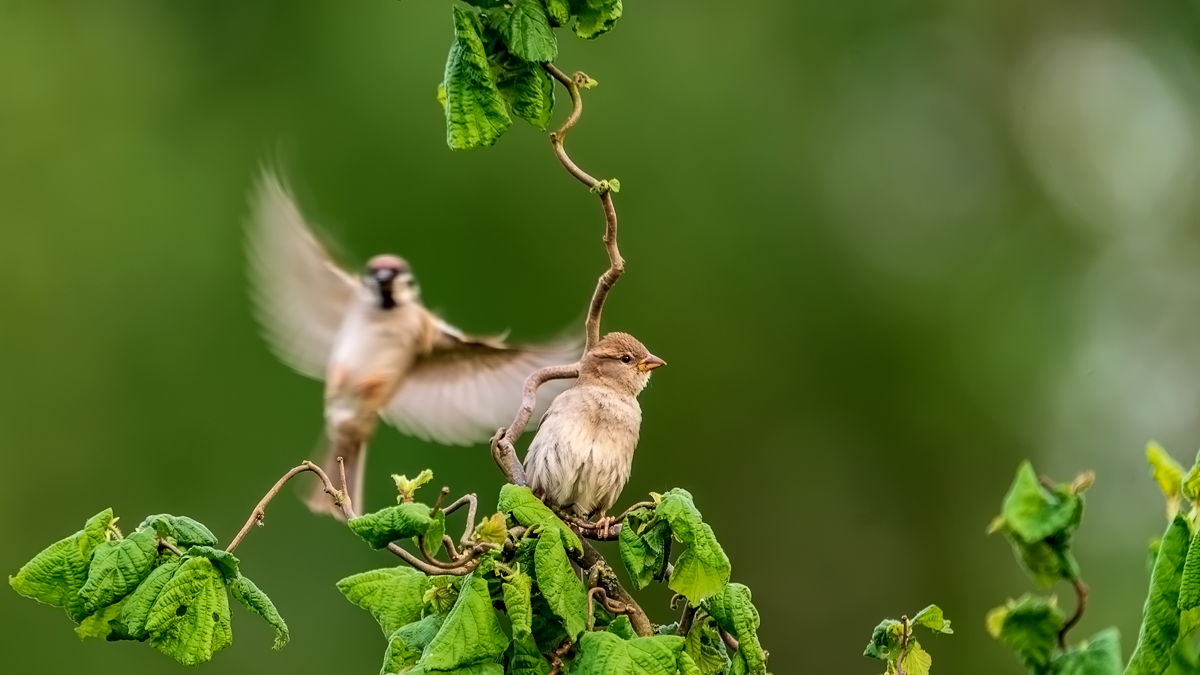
(888,249)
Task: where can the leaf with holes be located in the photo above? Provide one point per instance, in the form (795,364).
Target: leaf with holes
(189,620)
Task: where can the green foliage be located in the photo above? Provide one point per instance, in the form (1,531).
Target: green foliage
(529,511)
(394,523)
(471,634)
(125,588)
(563,591)
(604,653)
(1099,655)
(893,641)
(57,574)
(1040,524)
(645,546)
(494,68)
(703,569)
(393,595)
(1029,626)
(1160,617)
(735,613)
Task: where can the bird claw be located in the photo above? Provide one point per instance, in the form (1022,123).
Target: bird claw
(604,525)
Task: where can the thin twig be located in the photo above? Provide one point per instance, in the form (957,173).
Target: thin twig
(256,516)
(449,544)
(556,656)
(616,265)
(163,543)
(1081,598)
(438,504)
(591,597)
(731,642)
(637,616)
(470,528)
(685,621)
(597,531)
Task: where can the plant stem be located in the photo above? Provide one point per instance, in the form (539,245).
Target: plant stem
(1081,598)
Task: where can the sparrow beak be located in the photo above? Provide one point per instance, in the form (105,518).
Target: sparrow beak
(650,363)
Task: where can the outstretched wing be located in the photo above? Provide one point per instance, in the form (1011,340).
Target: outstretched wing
(468,388)
(300,295)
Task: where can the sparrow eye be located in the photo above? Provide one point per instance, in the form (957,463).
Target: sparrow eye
(626,358)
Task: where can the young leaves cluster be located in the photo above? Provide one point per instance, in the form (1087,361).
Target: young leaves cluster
(1039,519)
(495,64)
(137,588)
(893,642)
(450,624)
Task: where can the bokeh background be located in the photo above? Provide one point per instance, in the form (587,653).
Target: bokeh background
(888,249)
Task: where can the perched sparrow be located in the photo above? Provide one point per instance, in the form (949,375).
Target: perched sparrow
(380,351)
(582,453)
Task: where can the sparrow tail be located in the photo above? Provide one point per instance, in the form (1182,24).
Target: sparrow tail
(353,454)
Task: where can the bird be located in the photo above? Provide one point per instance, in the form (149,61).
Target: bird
(379,350)
(582,454)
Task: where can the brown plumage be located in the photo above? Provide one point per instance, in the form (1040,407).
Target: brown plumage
(583,451)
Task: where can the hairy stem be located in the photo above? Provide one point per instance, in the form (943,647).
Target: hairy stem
(1081,598)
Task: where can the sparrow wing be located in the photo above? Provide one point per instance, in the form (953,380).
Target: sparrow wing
(467,388)
(300,295)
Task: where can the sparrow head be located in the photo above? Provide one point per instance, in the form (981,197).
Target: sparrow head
(391,281)
(621,361)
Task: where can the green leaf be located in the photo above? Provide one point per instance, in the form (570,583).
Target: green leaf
(733,610)
(442,592)
(471,633)
(179,530)
(885,641)
(189,620)
(645,545)
(706,648)
(97,625)
(548,630)
(559,12)
(529,93)
(1191,483)
(1166,471)
(393,523)
(931,617)
(916,661)
(406,644)
(596,17)
(526,30)
(703,569)
(226,563)
(622,628)
(1189,589)
(1029,626)
(559,585)
(1040,525)
(603,653)
(56,574)
(437,530)
(1035,513)
(492,530)
(517,605)
(253,599)
(136,609)
(393,595)
(475,112)
(407,488)
(1160,617)
(526,659)
(117,568)
(1100,655)
(529,511)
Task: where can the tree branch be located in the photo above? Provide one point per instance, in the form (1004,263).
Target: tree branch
(502,447)
(259,512)
(637,616)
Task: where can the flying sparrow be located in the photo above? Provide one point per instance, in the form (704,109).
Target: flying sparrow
(583,451)
(379,350)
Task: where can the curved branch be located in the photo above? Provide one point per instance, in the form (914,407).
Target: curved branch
(616,264)
(1081,598)
(637,616)
(340,498)
(502,447)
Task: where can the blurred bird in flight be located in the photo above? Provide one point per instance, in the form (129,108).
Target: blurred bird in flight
(582,454)
(379,350)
